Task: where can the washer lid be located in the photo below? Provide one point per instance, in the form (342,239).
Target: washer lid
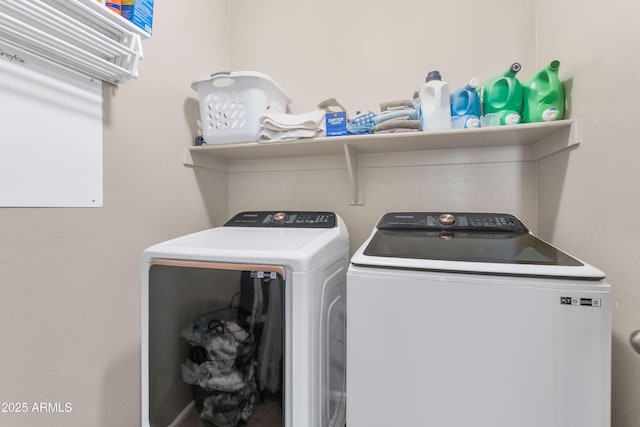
(485,243)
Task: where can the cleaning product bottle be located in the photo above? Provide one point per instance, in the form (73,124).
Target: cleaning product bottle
(465,106)
(501,98)
(115,5)
(128,7)
(435,103)
(543,95)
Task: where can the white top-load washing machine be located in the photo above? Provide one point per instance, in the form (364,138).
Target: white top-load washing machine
(244,324)
(468,319)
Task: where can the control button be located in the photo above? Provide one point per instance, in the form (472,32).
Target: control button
(447,219)
(279,216)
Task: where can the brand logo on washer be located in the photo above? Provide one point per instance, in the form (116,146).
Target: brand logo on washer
(584,302)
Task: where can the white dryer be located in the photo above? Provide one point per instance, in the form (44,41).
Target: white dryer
(468,319)
(244,324)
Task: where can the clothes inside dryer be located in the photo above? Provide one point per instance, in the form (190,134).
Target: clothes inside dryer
(228,329)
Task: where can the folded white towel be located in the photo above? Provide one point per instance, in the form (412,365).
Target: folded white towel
(284,121)
(268,135)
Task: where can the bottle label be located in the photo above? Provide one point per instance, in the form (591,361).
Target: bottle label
(472,122)
(550,114)
(512,119)
(116,6)
(465,122)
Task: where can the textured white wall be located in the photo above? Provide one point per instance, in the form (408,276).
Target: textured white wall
(364,53)
(69,278)
(589,200)
(502,187)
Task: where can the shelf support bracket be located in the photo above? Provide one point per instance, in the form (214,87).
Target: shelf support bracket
(563,139)
(191,158)
(355,178)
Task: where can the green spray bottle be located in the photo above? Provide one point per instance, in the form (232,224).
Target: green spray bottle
(501,99)
(543,95)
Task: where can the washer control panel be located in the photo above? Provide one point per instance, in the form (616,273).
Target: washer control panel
(298,219)
(467,221)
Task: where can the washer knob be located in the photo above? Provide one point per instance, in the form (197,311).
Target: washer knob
(279,216)
(447,219)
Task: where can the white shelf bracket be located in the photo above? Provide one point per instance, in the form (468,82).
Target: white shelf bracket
(355,175)
(209,162)
(563,139)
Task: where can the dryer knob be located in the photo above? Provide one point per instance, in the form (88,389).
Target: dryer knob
(447,219)
(279,216)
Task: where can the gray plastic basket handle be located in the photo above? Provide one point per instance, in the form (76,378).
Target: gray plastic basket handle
(634,339)
(223,79)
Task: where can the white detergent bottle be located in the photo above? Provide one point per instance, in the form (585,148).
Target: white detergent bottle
(435,103)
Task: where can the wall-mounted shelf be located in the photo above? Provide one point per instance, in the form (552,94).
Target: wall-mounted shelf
(539,140)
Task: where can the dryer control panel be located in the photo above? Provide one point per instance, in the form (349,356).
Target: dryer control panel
(298,219)
(458,221)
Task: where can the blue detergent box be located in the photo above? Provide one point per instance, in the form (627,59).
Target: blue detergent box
(140,13)
(336,122)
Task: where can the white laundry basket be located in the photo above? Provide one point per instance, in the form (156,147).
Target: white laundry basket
(232,102)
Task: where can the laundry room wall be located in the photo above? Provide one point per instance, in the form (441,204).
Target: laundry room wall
(69,288)
(69,278)
(365,53)
(582,199)
(588,197)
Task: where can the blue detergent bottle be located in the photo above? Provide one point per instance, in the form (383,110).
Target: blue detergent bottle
(465,106)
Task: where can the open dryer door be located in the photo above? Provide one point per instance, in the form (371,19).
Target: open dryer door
(215,340)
